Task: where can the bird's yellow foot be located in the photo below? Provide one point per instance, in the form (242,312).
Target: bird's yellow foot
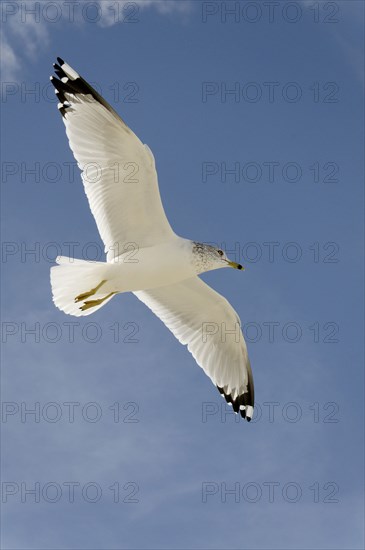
(93,303)
(91,292)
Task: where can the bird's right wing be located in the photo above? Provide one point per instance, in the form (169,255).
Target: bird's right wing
(203,320)
(118,170)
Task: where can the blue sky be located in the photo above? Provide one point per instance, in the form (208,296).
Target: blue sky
(145,417)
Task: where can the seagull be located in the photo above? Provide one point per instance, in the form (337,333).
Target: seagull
(143,254)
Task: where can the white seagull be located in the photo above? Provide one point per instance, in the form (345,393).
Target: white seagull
(144,255)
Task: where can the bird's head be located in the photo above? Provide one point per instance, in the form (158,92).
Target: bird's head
(207,257)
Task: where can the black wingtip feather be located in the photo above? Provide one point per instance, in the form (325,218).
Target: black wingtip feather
(75,86)
(245,399)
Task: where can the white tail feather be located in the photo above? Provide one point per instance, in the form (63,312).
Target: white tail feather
(70,278)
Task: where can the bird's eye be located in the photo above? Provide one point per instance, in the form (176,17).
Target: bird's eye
(220,252)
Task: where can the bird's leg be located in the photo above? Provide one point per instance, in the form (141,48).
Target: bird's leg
(91,292)
(94,303)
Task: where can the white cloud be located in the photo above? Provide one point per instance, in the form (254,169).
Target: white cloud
(29,23)
(10,64)
(25,34)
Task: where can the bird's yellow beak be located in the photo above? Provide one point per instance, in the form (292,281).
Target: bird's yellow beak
(235,265)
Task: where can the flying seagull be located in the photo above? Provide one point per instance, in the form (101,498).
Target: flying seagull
(120,180)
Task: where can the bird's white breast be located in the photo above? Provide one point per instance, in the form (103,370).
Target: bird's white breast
(152,267)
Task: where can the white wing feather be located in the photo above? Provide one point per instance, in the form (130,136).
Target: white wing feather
(118,170)
(205,321)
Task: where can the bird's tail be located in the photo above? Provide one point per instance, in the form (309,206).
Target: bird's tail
(80,287)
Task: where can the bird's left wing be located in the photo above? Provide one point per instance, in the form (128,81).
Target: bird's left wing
(118,170)
(205,321)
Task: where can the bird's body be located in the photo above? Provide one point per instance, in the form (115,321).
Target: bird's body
(137,268)
(144,255)
(151,267)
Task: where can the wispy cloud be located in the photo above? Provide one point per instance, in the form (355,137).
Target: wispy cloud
(28,24)
(10,64)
